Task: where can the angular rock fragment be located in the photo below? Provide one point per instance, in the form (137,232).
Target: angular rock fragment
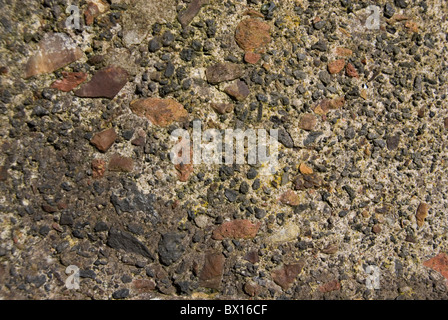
(105,83)
(290,198)
(336,66)
(351,71)
(223,71)
(70,81)
(236,229)
(56,50)
(170,248)
(286,275)
(222,108)
(252,57)
(121,240)
(141,14)
(212,271)
(422,213)
(238,90)
(252,34)
(161,112)
(104,139)
(323,107)
(186,16)
(94,9)
(307,122)
(120,163)
(438,263)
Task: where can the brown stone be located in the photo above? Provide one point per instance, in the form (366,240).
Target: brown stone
(236,229)
(93,10)
(70,81)
(186,16)
(222,108)
(350,70)
(376,229)
(161,112)
(393,142)
(290,198)
(336,66)
(143,285)
(323,107)
(211,273)
(343,52)
(238,90)
(304,169)
(330,249)
(308,181)
(49,209)
(251,288)
(445,123)
(252,34)
(334,285)
(3,173)
(184,169)
(252,57)
(438,263)
(422,213)
(307,122)
(104,139)
(98,168)
(252,257)
(139,141)
(223,71)
(105,83)
(56,50)
(120,163)
(286,275)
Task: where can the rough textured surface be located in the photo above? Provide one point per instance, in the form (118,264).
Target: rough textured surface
(362,152)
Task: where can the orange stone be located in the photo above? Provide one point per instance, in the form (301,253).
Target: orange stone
(161,112)
(304,169)
(351,71)
(438,263)
(336,66)
(70,81)
(236,229)
(252,34)
(343,52)
(252,57)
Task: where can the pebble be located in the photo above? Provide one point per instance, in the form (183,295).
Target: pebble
(222,108)
(351,71)
(212,270)
(121,240)
(170,248)
(336,66)
(223,71)
(251,57)
(238,90)
(120,163)
(285,275)
(186,16)
(438,263)
(56,50)
(422,213)
(70,81)
(252,34)
(104,139)
(307,122)
(236,229)
(161,112)
(290,198)
(105,83)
